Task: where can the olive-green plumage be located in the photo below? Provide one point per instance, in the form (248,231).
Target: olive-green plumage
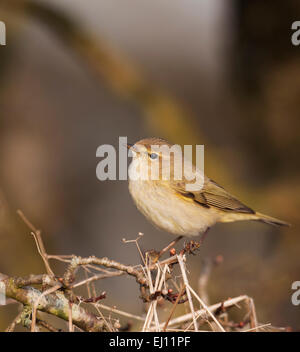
(170,206)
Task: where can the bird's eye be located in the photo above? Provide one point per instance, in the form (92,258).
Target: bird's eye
(153,156)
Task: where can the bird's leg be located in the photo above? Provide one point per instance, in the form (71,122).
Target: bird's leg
(170,245)
(191,246)
(203,236)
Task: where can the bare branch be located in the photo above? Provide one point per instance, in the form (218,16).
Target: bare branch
(56,304)
(213,308)
(78,261)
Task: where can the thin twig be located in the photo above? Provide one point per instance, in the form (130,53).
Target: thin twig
(170,245)
(257,327)
(206,308)
(120,312)
(39,242)
(253,317)
(103,318)
(185,280)
(137,245)
(202,312)
(97,277)
(174,307)
(71,327)
(13,324)
(78,261)
(47,326)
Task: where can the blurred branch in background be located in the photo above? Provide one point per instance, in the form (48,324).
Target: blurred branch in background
(164,115)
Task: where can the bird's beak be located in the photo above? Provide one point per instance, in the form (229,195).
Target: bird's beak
(131,146)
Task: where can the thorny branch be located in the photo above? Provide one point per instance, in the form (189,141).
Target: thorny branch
(55,295)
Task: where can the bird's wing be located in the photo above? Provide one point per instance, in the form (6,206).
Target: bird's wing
(212,195)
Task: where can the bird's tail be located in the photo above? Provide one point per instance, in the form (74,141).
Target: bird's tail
(269,220)
(229,217)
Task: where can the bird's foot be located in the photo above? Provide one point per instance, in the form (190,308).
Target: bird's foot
(190,247)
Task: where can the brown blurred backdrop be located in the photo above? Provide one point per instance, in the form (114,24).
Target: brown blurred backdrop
(78,74)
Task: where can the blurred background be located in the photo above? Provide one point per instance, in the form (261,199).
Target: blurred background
(78,74)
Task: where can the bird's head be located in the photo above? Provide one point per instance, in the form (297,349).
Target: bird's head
(154,159)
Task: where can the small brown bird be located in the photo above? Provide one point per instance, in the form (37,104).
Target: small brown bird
(170,206)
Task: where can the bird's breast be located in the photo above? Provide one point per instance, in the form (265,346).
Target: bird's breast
(168,210)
